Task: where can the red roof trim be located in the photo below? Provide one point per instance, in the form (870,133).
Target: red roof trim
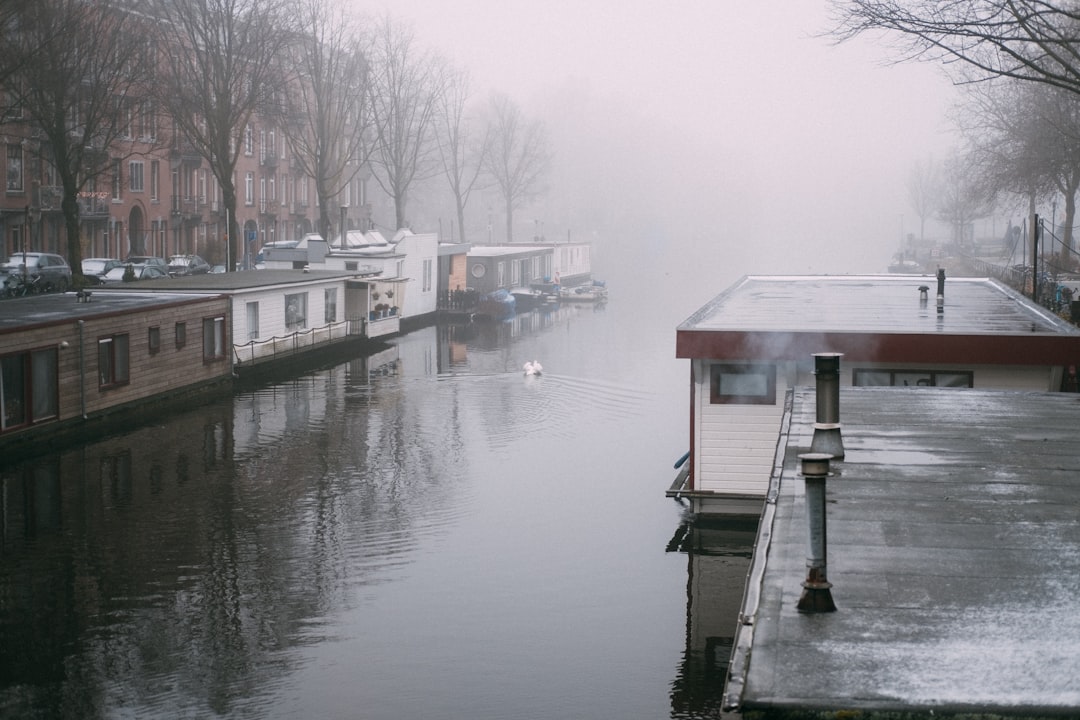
(1037,349)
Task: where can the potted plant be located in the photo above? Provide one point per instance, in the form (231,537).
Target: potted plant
(389,293)
(375,295)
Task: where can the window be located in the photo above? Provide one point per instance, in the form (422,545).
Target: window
(28,388)
(14,168)
(135,176)
(352,265)
(153,339)
(155,169)
(249,188)
(214,339)
(296,311)
(742,384)
(117,180)
(181,335)
(427,275)
(253,320)
(113,361)
(330,301)
(249,140)
(913,378)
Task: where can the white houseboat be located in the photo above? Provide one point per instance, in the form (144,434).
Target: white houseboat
(756,340)
(401,273)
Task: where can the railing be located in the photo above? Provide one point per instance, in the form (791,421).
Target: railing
(278,348)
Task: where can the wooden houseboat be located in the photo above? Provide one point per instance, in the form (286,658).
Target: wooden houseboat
(78,362)
(757,340)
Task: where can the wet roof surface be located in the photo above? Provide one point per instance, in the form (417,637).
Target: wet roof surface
(61,307)
(954,555)
(223,282)
(872,304)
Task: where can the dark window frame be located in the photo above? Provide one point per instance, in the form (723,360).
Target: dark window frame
(893,372)
(28,404)
(181,335)
(153,339)
(211,353)
(718,370)
(119,375)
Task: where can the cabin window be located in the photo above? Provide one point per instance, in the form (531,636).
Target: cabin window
(214,339)
(352,265)
(913,378)
(742,384)
(153,339)
(296,311)
(113,361)
(330,305)
(181,335)
(253,320)
(28,388)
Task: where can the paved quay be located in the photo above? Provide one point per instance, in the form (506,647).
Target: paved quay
(953,550)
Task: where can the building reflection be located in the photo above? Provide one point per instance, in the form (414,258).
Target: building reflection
(718,558)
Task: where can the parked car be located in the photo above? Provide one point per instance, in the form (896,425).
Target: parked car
(94,268)
(148,260)
(50,272)
(217,270)
(138,272)
(187,265)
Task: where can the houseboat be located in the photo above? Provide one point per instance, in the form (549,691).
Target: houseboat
(401,271)
(280,315)
(757,340)
(80,362)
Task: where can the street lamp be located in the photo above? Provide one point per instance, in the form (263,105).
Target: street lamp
(344,210)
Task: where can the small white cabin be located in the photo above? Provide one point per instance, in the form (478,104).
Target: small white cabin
(757,340)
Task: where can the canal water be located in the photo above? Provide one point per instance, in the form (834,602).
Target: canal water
(420,533)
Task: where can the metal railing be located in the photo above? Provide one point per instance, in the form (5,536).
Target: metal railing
(280,347)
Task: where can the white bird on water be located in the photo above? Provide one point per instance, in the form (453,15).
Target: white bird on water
(533,368)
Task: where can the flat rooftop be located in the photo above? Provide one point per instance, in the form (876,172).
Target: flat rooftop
(953,549)
(501,250)
(877,318)
(228,282)
(25,312)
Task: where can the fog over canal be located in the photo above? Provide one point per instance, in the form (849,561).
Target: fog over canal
(422,533)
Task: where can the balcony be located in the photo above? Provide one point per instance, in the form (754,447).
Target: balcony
(268,207)
(269,160)
(93,205)
(186,207)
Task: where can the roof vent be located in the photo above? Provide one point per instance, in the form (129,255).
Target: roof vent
(827,438)
(941,290)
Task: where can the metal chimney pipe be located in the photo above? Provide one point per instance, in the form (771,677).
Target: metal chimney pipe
(817,593)
(827,437)
(941,290)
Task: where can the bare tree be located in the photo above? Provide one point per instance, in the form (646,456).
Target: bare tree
(923,189)
(1026,138)
(1033,40)
(406,87)
(327,115)
(462,153)
(964,198)
(78,76)
(226,65)
(519,156)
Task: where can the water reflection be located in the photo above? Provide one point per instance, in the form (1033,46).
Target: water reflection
(718,558)
(413,531)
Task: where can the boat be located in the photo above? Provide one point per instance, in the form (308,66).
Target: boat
(595,293)
(536,295)
(497,304)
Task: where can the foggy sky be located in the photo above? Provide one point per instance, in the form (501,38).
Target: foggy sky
(726,128)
